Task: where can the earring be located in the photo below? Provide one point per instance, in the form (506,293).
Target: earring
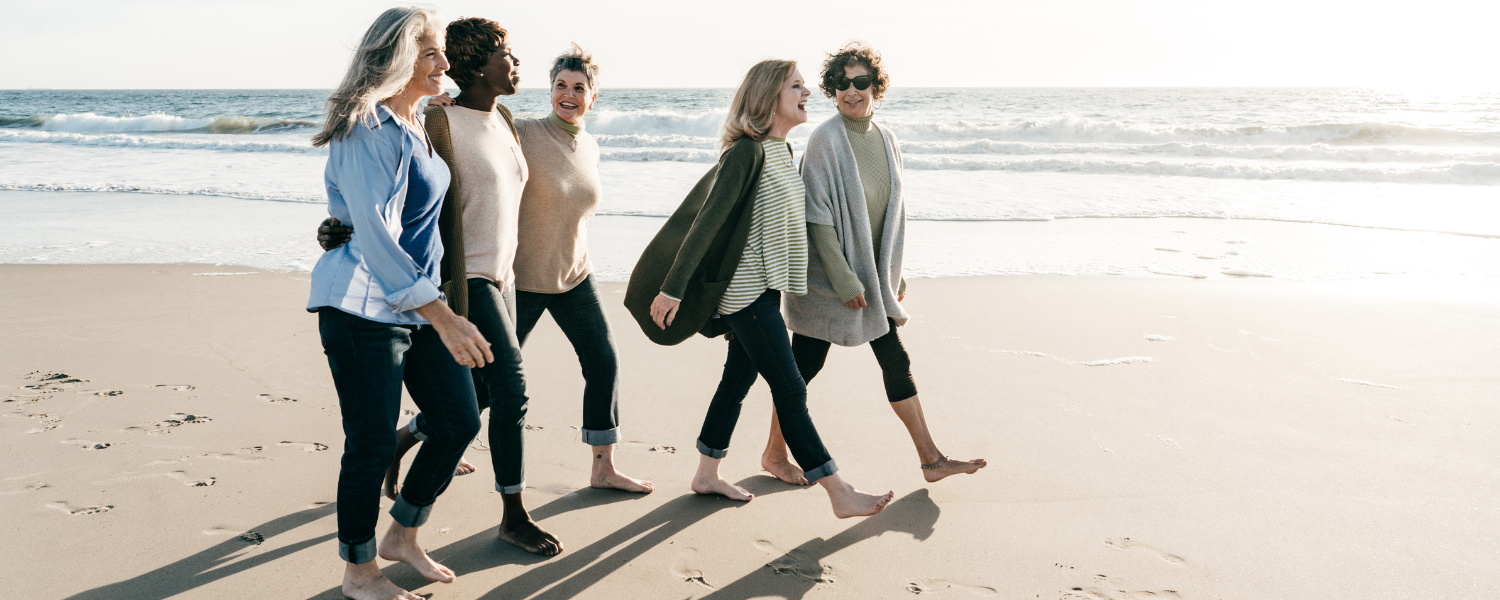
(481,74)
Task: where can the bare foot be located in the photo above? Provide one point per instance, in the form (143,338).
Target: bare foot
(366,582)
(849,502)
(525,534)
(465,467)
(783,469)
(617,481)
(400,544)
(717,485)
(948,466)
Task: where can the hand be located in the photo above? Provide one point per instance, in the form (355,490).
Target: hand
(440,100)
(857,302)
(462,338)
(663,310)
(900,297)
(332,234)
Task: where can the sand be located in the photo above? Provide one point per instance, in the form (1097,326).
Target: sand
(172,431)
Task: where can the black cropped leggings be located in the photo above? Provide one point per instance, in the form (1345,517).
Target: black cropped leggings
(895,363)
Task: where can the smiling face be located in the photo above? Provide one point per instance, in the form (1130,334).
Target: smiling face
(427,78)
(791,104)
(501,72)
(854,102)
(571,96)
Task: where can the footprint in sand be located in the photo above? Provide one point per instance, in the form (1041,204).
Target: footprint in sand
(174,420)
(48,422)
(684,570)
(30,488)
(183,478)
(1128,544)
(68,509)
(797,564)
(1099,593)
(242,455)
(89,444)
(930,586)
(275,400)
(178,476)
(110,393)
(175,388)
(306,446)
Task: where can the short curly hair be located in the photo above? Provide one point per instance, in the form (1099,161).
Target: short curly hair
(471,41)
(853,53)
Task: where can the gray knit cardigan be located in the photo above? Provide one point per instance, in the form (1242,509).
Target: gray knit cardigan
(835,197)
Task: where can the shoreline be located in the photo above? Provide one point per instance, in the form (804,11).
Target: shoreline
(1276,428)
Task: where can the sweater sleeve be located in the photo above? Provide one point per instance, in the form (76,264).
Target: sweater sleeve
(736,167)
(826,240)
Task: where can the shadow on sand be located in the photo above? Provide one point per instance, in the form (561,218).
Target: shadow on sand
(208,566)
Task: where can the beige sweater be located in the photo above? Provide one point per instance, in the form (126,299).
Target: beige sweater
(491,174)
(553,255)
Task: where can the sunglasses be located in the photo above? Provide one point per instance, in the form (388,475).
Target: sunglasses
(860,83)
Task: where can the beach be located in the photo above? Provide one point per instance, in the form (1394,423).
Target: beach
(172,431)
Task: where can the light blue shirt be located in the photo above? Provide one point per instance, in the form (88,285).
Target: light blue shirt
(372,276)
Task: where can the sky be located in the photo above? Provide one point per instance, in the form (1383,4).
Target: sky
(229,44)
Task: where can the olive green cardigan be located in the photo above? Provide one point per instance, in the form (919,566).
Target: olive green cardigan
(697,251)
(455,285)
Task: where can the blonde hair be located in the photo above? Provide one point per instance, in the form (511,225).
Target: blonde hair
(580,60)
(754,105)
(382,66)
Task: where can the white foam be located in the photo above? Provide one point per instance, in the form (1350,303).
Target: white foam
(1457,173)
(1159,338)
(1235,272)
(1368,383)
(92,123)
(226,143)
(1124,360)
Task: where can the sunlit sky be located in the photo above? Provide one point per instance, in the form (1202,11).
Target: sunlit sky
(1435,44)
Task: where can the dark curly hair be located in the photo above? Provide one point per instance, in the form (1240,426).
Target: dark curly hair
(853,53)
(471,41)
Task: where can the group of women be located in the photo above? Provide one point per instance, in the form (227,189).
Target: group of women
(452,230)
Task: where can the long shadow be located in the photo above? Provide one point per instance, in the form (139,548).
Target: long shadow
(799,570)
(207,566)
(484,550)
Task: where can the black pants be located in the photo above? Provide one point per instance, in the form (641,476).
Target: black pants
(370,361)
(580,315)
(760,348)
(895,363)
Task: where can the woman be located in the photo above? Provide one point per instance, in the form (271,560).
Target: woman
(856,220)
(767,252)
(380,314)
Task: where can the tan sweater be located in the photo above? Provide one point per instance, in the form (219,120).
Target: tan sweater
(553,255)
(490,174)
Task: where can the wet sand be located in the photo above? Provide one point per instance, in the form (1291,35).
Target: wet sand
(172,431)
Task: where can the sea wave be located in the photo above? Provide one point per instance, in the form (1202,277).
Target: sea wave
(92,123)
(1319,152)
(121,140)
(1458,173)
(176,191)
(1079,129)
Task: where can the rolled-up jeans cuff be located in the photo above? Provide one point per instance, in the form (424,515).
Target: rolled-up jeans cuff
(601,438)
(408,514)
(822,471)
(415,432)
(358,554)
(511,489)
(711,452)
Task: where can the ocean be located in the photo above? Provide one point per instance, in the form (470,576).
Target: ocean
(1227,158)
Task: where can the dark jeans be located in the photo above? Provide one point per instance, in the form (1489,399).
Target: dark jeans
(580,315)
(895,363)
(760,348)
(370,361)
(501,385)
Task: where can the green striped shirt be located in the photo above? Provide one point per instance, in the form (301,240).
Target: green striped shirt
(775,255)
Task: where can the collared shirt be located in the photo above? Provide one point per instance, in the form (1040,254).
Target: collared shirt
(391,264)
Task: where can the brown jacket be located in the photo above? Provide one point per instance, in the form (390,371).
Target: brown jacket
(697,251)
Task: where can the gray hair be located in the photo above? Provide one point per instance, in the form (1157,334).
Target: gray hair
(580,60)
(382,66)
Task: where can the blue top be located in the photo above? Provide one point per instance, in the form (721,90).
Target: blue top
(384,182)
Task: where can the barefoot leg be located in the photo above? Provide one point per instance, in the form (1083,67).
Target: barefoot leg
(708,481)
(910,413)
(517,529)
(404,442)
(400,544)
(365,582)
(775,459)
(850,502)
(604,475)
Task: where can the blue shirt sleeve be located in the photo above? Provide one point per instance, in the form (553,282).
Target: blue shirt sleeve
(371,168)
